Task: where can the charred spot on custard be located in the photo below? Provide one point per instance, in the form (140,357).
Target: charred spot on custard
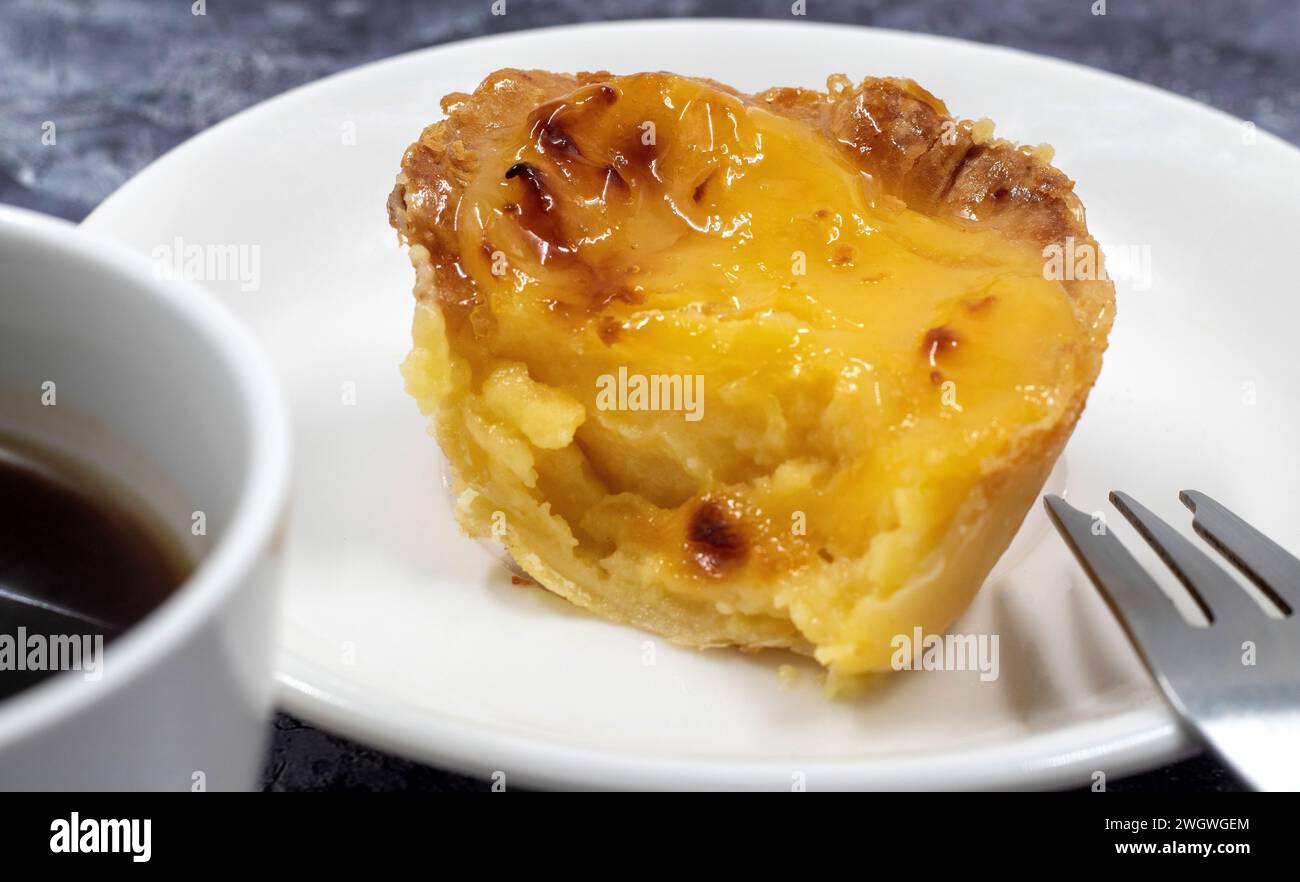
(938,342)
(529,173)
(703,186)
(714,539)
(612,176)
(554,141)
(578,102)
(608,329)
(551,136)
(536,210)
(615,294)
(538,197)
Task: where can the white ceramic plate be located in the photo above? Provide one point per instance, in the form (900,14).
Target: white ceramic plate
(401,633)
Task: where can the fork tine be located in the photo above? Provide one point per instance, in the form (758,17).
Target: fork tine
(1148,615)
(1218,596)
(1267,564)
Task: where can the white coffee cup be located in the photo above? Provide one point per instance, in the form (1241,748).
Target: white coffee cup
(156,385)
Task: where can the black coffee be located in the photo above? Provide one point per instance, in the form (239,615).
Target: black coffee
(76,561)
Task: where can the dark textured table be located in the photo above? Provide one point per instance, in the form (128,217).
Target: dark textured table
(132,78)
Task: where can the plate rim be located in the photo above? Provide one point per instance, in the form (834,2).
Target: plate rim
(1059,758)
(1126,742)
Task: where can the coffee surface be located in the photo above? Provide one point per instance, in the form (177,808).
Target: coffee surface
(77,557)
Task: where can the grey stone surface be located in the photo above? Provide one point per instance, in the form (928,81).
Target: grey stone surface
(126,80)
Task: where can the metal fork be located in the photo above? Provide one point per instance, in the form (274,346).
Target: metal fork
(1236,683)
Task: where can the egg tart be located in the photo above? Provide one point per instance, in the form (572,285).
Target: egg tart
(773,370)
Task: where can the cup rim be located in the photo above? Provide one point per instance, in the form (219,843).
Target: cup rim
(261,498)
